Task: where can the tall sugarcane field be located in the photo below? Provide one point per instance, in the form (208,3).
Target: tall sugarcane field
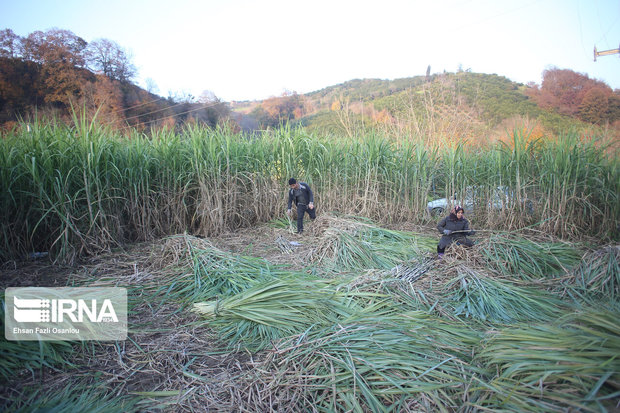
(229,309)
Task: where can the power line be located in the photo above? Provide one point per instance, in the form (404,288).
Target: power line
(140,104)
(176,114)
(580,29)
(158,110)
(111,114)
(608,30)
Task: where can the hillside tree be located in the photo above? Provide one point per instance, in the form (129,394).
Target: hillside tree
(61,54)
(565,90)
(276,110)
(109,58)
(55,46)
(215,110)
(9,43)
(104,98)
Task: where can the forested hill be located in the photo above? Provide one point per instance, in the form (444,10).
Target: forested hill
(58,74)
(364,89)
(493,97)
(464,103)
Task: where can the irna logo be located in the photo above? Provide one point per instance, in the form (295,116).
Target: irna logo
(28,310)
(66,313)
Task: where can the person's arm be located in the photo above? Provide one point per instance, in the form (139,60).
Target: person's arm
(310,197)
(442,225)
(290,200)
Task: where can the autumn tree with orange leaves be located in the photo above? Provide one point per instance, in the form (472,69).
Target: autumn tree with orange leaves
(60,54)
(59,71)
(575,94)
(277,110)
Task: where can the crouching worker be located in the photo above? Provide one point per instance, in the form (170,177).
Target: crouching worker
(301,194)
(454,228)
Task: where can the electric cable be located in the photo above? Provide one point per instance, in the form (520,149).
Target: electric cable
(206,106)
(138,105)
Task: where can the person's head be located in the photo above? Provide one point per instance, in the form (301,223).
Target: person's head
(293,183)
(459,211)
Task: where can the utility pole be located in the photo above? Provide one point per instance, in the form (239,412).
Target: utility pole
(605,52)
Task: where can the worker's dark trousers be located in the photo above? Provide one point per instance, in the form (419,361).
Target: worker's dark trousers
(447,240)
(301,210)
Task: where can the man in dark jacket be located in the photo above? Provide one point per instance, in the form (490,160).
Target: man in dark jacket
(454,228)
(301,194)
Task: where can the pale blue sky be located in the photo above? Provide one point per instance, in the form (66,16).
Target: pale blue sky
(256,49)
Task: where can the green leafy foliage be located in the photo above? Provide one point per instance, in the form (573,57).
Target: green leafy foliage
(500,301)
(275,309)
(74,397)
(363,89)
(529,259)
(575,358)
(17,356)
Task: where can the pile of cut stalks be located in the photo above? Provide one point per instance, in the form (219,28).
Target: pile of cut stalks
(377,323)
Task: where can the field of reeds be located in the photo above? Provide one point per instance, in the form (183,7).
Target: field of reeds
(229,310)
(78,191)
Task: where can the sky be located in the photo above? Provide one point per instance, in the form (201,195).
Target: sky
(246,50)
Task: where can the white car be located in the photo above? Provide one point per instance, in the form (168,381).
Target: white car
(502,197)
